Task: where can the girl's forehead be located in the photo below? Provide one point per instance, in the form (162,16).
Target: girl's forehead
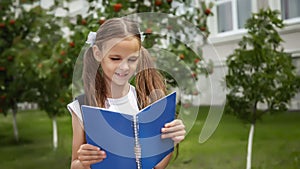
(130,44)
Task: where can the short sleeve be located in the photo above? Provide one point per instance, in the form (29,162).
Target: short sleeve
(74,107)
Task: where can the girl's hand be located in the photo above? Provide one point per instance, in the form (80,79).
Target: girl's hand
(89,154)
(174,130)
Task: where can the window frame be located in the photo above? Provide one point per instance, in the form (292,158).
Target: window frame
(292,24)
(276,4)
(235,27)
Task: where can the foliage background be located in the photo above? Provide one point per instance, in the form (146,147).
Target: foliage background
(37,57)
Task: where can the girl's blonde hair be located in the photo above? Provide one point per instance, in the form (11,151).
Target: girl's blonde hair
(148,80)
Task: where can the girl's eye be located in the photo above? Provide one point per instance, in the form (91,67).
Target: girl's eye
(132,59)
(115,58)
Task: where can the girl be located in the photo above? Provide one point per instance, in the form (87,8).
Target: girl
(114,57)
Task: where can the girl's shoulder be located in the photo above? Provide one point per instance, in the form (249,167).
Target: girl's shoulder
(74,109)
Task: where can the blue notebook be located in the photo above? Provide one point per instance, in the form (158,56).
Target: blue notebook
(121,135)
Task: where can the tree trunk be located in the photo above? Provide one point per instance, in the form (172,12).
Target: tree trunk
(15,126)
(55,136)
(249,150)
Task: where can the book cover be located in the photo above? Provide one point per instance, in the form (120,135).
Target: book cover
(122,135)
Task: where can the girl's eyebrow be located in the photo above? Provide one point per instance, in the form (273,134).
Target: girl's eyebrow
(118,55)
(134,56)
(114,55)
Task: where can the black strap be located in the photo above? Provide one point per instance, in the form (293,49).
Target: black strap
(81,99)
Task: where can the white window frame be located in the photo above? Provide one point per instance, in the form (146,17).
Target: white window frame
(213,21)
(276,4)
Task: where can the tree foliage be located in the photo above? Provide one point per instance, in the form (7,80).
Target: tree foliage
(17,31)
(37,60)
(259,71)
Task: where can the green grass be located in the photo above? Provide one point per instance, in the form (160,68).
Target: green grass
(276,143)
(34,149)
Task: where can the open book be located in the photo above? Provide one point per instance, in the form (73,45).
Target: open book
(130,142)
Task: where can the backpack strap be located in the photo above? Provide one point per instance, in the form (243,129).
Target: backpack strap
(81,100)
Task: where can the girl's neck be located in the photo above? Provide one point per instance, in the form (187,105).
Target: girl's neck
(118,91)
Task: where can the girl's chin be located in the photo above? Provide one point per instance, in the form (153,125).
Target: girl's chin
(120,82)
(121,79)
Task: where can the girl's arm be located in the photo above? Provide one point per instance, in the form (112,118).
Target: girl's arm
(164,162)
(78,135)
(83,155)
(176,131)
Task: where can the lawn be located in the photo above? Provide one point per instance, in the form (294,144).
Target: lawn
(276,143)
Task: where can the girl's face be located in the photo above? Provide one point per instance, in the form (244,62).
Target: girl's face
(120,63)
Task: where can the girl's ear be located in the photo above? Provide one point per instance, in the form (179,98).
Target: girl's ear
(96,53)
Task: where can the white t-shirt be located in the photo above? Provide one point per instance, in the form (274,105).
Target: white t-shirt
(126,104)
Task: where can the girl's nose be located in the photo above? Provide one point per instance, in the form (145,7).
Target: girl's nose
(124,65)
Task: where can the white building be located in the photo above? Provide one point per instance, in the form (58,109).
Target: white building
(227,29)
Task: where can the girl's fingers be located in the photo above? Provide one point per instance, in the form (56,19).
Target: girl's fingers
(88,160)
(86,155)
(88,163)
(89,154)
(173,129)
(173,126)
(89,147)
(174,123)
(178,139)
(172,135)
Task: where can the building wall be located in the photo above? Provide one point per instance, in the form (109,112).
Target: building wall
(224,43)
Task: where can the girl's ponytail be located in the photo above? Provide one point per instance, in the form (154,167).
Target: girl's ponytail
(95,85)
(149,82)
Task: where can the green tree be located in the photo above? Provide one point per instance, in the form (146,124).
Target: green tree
(55,76)
(259,71)
(52,70)
(27,59)
(16,57)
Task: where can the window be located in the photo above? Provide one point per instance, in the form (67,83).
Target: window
(290,9)
(224,14)
(232,14)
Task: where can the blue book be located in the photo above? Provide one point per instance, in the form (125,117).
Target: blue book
(123,136)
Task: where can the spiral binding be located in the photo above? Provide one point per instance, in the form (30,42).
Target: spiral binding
(137,146)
